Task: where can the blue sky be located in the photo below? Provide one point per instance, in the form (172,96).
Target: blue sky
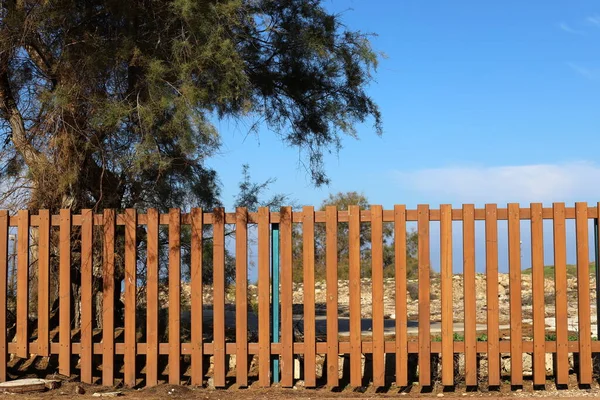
(481,101)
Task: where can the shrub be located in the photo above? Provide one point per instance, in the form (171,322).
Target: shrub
(413,290)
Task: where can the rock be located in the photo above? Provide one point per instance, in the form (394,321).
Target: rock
(549,363)
(527,364)
(51,384)
(107,394)
(297,368)
(79,390)
(23,386)
(440,395)
(210,383)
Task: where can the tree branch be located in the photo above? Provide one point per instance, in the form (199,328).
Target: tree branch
(42,58)
(10,112)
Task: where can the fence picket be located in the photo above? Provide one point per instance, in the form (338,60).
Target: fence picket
(87,226)
(354,283)
(64,355)
(331,248)
(491,269)
(446,293)
(241,296)
(287,299)
(424,293)
(152,305)
(219,296)
(377,296)
(537,292)
(264,299)
(175,297)
(469,293)
(108,298)
(22,334)
(308,250)
(401,293)
(514,261)
(43,340)
(196,298)
(4,227)
(583,294)
(129,378)
(560,288)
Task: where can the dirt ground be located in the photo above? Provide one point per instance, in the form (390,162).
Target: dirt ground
(68,390)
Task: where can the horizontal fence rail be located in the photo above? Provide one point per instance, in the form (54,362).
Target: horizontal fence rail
(126,296)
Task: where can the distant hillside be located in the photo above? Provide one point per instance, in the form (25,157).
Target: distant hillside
(571,270)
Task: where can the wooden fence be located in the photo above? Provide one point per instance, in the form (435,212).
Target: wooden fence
(122,236)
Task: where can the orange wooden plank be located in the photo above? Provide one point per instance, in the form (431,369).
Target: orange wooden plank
(377,296)
(175,296)
(514,261)
(86,295)
(44,283)
(241,296)
(196,298)
(401,301)
(583,294)
(354,283)
(264,299)
(388,216)
(367,347)
(22,334)
(64,357)
(308,250)
(491,270)
(108,298)
(219,296)
(130,303)
(560,287)
(152,298)
(424,291)
(4,226)
(331,248)
(537,264)
(287,300)
(447,297)
(469,290)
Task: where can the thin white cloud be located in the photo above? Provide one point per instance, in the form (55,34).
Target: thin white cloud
(566,28)
(594,20)
(588,73)
(546,183)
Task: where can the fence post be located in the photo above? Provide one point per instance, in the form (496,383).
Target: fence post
(597,273)
(275,291)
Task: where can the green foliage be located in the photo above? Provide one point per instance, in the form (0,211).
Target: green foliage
(413,290)
(251,193)
(571,270)
(108,104)
(571,337)
(342,201)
